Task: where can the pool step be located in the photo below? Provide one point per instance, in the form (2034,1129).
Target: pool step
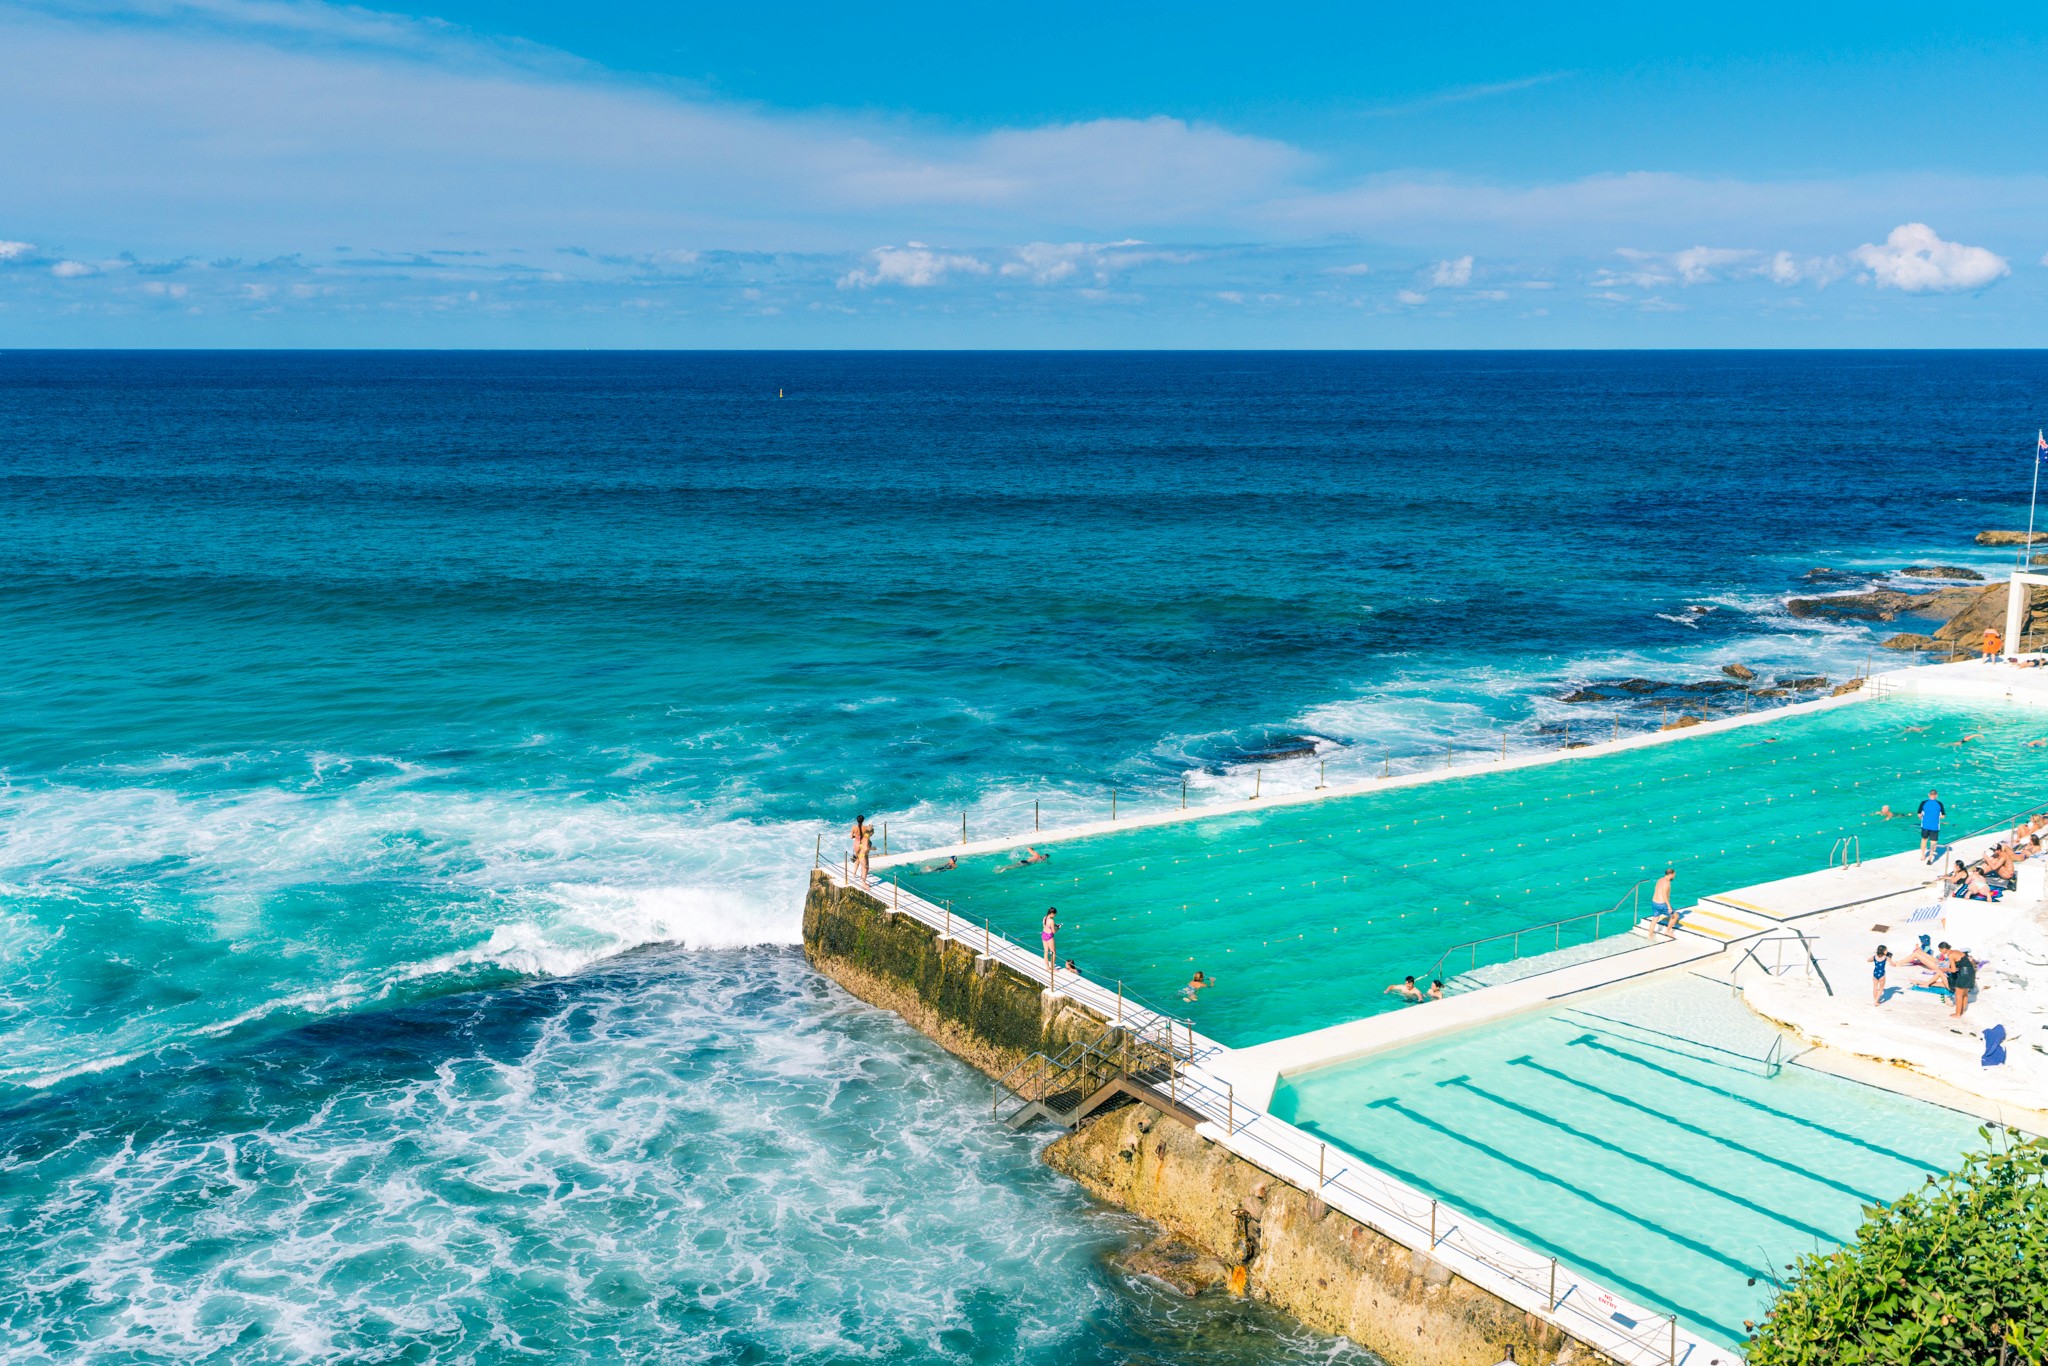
(1717,920)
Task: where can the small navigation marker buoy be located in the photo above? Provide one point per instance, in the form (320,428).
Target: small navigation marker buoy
(778,393)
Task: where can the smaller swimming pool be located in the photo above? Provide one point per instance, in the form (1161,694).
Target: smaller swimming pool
(1640,1138)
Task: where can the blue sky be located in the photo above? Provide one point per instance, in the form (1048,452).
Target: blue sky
(294,173)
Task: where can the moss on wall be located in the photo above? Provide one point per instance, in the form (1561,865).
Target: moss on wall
(986,1013)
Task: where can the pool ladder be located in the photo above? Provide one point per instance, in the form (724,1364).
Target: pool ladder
(1848,850)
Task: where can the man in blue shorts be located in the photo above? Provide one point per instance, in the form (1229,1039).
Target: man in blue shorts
(1660,907)
(1931,812)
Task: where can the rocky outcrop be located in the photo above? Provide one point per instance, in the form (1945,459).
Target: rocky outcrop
(1178,1263)
(2011,538)
(1880,604)
(1681,723)
(1284,1246)
(1741,673)
(1972,610)
(1910,640)
(1853,685)
(1803,682)
(1940,571)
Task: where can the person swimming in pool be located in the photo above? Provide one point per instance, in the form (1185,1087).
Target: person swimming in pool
(1030,856)
(1193,990)
(1436,990)
(1405,989)
(1885,812)
(1878,961)
(948,866)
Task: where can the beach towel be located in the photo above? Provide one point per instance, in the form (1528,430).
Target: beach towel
(1926,913)
(1994,1045)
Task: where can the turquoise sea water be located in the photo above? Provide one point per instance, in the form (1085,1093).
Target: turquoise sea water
(1302,914)
(1643,1139)
(409,765)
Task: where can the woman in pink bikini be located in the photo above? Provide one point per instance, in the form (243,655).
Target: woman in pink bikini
(1046,930)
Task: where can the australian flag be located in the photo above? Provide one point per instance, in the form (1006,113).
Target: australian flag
(2041,445)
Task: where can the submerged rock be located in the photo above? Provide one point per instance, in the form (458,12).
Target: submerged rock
(1712,685)
(1180,1265)
(1739,671)
(2010,538)
(1583,695)
(1803,682)
(1681,723)
(1771,692)
(1637,685)
(1939,571)
(1881,604)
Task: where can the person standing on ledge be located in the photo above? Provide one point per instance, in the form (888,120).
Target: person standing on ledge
(1049,927)
(1660,906)
(863,845)
(1931,812)
(1994,645)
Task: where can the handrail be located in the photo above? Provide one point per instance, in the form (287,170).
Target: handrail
(2007,824)
(1777,936)
(1845,846)
(1633,895)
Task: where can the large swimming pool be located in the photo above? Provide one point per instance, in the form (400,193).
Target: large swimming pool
(1304,913)
(1640,1138)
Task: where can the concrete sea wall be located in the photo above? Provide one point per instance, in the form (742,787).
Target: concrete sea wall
(1269,1239)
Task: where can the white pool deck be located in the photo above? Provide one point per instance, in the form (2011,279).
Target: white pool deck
(1756,938)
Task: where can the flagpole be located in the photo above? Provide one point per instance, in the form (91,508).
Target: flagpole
(2027,550)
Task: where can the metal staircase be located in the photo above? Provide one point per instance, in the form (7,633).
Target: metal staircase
(1119,1065)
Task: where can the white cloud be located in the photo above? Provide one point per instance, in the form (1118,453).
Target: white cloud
(14,251)
(1697,265)
(71,270)
(1045,263)
(1409,296)
(1452,274)
(1711,265)
(915,266)
(1915,259)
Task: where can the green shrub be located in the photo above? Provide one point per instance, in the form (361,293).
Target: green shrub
(1954,1274)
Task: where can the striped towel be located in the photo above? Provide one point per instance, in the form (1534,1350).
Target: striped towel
(1926,913)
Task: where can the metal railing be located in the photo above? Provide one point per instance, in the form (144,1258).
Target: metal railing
(1844,849)
(1780,936)
(1632,898)
(1150,1058)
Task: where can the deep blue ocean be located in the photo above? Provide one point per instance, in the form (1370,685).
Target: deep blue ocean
(410,764)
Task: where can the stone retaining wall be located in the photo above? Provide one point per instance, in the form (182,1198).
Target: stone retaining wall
(1276,1242)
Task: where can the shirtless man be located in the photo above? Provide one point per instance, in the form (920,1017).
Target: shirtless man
(1998,863)
(1029,857)
(1661,913)
(1405,989)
